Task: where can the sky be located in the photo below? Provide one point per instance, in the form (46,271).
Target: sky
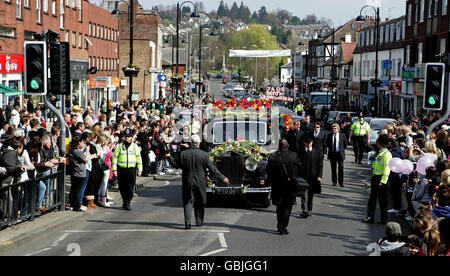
(340,11)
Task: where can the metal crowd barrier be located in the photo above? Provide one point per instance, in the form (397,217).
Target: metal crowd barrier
(18,201)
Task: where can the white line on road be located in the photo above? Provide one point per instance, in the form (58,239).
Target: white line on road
(145,230)
(38,252)
(60,239)
(213,252)
(223,242)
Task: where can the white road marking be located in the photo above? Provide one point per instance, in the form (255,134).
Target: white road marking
(223,242)
(146,230)
(213,252)
(60,239)
(38,252)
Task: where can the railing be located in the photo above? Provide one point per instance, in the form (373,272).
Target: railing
(20,201)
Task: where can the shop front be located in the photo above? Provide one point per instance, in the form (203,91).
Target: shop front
(79,76)
(11,69)
(101,91)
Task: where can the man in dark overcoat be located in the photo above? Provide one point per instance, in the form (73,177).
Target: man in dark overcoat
(282,190)
(311,170)
(194,163)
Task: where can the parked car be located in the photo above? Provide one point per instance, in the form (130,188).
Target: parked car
(376,125)
(333,115)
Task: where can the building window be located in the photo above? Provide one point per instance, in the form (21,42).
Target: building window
(74,39)
(420,53)
(444,7)
(67,36)
(80,41)
(90,29)
(443,45)
(61,21)
(18,9)
(93,30)
(74,4)
(409,14)
(430,8)
(422,10)
(436,7)
(7,32)
(98,31)
(38,11)
(79,10)
(408,54)
(45,6)
(26,3)
(399,67)
(54,7)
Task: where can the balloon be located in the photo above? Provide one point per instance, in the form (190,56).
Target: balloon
(407,167)
(396,165)
(423,163)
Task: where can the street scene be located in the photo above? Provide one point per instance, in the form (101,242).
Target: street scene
(224,129)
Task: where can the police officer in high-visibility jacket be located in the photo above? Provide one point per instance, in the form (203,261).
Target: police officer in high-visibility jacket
(126,160)
(380,177)
(360,131)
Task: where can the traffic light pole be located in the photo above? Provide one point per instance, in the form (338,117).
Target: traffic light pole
(62,148)
(447,112)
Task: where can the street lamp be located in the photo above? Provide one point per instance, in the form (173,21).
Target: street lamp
(116,11)
(376,82)
(195,14)
(212,33)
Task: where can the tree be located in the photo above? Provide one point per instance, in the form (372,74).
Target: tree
(310,19)
(262,13)
(234,11)
(221,12)
(244,12)
(295,20)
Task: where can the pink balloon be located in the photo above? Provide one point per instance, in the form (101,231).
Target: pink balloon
(423,163)
(396,165)
(407,167)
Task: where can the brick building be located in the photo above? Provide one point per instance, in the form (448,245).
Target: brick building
(147,52)
(427,26)
(74,20)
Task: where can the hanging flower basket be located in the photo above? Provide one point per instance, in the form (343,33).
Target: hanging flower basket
(131,71)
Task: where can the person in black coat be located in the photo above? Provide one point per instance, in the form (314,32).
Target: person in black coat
(144,142)
(337,144)
(311,170)
(194,163)
(319,137)
(282,190)
(307,125)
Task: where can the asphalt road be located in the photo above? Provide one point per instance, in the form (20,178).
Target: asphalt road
(155,227)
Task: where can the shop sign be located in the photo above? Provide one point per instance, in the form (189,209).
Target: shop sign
(10,64)
(408,73)
(418,88)
(395,87)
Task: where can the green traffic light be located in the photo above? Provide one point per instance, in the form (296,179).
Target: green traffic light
(431,100)
(34,84)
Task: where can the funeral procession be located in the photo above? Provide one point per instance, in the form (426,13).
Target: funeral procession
(239,131)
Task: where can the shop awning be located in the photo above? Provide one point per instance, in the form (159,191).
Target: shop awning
(10,92)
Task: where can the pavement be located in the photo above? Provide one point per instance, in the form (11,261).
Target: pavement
(23,232)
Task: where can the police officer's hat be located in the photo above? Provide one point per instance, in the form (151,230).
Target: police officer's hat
(383,140)
(361,115)
(128,132)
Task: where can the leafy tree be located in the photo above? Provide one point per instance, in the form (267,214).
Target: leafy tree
(234,11)
(295,20)
(244,12)
(310,19)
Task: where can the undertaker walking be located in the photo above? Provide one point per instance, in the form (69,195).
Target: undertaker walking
(194,163)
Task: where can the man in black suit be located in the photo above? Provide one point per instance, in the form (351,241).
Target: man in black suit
(307,125)
(311,170)
(319,139)
(282,189)
(337,143)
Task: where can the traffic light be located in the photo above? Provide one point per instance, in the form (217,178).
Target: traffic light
(204,88)
(434,86)
(60,68)
(35,68)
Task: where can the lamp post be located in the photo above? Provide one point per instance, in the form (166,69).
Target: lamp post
(131,21)
(212,33)
(376,82)
(195,14)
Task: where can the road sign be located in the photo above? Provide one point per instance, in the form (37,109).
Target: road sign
(162,77)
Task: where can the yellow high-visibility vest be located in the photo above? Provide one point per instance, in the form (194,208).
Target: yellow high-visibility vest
(360,129)
(126,158)
(381,165)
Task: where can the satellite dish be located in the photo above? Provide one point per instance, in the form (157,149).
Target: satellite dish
(251,164)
